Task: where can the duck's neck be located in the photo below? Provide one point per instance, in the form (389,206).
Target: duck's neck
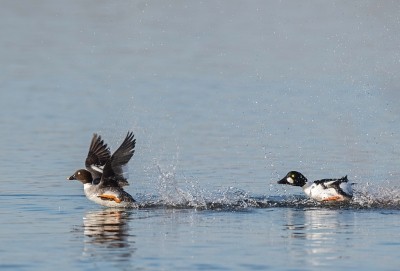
(87,185)
(307,188)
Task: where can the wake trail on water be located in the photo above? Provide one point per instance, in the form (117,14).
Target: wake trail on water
(191,195)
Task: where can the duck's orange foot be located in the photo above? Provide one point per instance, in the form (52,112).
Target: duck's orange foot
(110,197)
(333,198)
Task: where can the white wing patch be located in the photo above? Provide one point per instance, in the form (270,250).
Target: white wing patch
(346,187)
(98,169)
(329,184)
(125,173)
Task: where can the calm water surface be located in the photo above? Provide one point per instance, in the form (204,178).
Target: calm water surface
(224,99)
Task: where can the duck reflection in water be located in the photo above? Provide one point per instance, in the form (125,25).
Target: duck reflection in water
(108,229)
(317,233)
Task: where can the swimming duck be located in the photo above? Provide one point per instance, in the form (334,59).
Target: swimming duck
(321,190)
(103,177)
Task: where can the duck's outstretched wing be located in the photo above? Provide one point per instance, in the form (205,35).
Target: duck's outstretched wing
(113,174)
(328,182)
(342,185)
(97,156)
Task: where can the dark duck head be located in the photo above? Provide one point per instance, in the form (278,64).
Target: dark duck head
(294,178)
(82,175)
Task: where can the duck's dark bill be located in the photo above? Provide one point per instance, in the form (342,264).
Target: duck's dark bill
(71,178)
(283,181)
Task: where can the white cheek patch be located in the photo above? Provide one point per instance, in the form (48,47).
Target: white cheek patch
(290,180)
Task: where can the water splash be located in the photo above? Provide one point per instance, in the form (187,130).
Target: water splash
(384,195)
(191,195)
(171,194)
(184,193)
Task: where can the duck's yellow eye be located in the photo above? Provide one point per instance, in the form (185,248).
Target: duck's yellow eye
(292,175)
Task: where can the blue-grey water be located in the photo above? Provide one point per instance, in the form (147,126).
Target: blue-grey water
(224,98)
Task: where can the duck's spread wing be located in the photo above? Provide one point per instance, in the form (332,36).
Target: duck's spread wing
(97,156)
(113,169)
(340,185)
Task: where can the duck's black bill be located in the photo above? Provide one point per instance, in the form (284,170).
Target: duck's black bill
(71,178)
(283,181)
